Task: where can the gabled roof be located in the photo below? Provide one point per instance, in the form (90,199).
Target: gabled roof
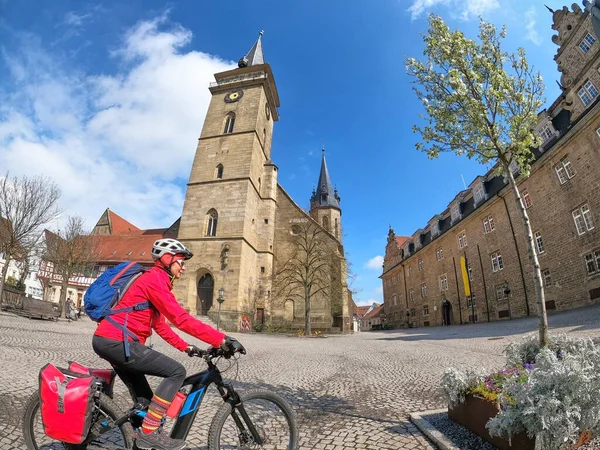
(401,240)
(116,224)
(118,248)
(375,313)
(360,311)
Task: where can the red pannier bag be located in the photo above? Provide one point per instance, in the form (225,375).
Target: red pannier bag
(107,376)
(67,404)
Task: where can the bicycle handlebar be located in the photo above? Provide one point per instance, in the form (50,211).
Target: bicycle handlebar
(212,352)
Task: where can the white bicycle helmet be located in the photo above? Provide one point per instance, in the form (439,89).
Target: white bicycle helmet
(170,247)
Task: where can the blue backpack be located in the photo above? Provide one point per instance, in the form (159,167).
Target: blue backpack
(106,292)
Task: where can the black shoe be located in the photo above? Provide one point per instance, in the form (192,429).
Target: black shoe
(158,441)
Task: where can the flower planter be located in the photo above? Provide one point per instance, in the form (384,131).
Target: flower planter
(475,412)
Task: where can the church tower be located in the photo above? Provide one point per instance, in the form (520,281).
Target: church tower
(325,203)
(229,210)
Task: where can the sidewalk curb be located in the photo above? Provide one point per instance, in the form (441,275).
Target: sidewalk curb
(436,436)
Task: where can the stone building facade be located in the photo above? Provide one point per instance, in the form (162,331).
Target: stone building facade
(236,217)
(422,277)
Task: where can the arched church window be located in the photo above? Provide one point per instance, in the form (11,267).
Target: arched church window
(326,223)
(211,223)
(229,122)
(264,137)
(219,173)
(336,228)
(288,310)
(259,186)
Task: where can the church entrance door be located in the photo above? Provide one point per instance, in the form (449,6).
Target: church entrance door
(206,286)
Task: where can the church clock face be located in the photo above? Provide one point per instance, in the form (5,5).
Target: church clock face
(234,96)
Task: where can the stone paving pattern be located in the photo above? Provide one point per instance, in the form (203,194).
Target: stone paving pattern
(349,392)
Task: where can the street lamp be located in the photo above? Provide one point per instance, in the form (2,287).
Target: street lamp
(220,299)
(507,293)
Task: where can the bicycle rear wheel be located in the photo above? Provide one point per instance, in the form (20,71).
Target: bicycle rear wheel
(270,415)
(120,438)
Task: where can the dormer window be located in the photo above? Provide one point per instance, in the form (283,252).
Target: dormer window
(435,228)
(546,133)
(586,43)
(455,213)
(479,193)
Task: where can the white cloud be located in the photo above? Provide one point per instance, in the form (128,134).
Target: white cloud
(464,9)
(125,140)
(530,22)
(375,263)
(379,290)
(367,302)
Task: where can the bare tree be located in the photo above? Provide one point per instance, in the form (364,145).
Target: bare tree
(306,270)
(26,205)
(70,251)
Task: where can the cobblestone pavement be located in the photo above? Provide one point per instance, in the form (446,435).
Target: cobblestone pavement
(349,392)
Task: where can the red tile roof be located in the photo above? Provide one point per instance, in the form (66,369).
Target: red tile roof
(132,247)
(361,310)
(401,240)
(121,226)
(375,313)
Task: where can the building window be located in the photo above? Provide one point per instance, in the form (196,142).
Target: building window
(546,278)
(471,301)
(409,271)
(266,221)
(326,223)
(443,282)
(435,228)
(411,294)
(583,219)
(262,270)
(423,290)
(564,170)
(470,271)
(462,239)
(592,262)
(546,133)
(412,312)
(394,300)
(539,243)
(425,310)
(586,43)
(229,122)
(439,254)
(488,224)
(211,223)
(500,294)
(336,228)
(455,213)
(526,198)
(497,263)
(421,265)
(219,171)
(479,193)
(587,93)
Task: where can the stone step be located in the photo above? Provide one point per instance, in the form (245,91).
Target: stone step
(207,320)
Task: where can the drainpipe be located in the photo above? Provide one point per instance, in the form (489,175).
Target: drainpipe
(518,254)
(487,304)
(457,291)
(405,294)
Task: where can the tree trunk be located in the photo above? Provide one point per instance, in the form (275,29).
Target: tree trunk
(3,276)
(307,330)
(64,286)
(537,273)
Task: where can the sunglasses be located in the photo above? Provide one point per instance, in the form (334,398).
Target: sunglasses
(181,263)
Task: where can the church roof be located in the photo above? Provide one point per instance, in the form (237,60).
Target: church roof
(325,195)
(255,56)
(116,224)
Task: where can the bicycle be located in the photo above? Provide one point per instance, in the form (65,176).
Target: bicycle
(111,429)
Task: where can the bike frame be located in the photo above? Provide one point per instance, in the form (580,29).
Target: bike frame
(199,383)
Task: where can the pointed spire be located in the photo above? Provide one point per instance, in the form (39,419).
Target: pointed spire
(549,9)
(255,56)
(325,196)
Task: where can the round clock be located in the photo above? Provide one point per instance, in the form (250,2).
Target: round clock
(234,96)
(267,111)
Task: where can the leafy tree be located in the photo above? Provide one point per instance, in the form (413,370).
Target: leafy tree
(70,250)
(482,102)
(26,205)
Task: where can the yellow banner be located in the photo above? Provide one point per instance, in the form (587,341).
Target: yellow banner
(465,275)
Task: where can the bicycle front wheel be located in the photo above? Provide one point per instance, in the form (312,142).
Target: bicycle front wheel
(263,420)
(118,438)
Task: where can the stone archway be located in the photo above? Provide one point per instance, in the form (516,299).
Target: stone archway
(205,289)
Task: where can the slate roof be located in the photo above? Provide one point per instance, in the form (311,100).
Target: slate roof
(325,196)
(255,56)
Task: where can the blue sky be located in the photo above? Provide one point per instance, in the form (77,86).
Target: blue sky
(109,99)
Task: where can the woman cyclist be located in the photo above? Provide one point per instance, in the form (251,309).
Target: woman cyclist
(108,342)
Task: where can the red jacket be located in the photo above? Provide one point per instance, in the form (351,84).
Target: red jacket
(155,286)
